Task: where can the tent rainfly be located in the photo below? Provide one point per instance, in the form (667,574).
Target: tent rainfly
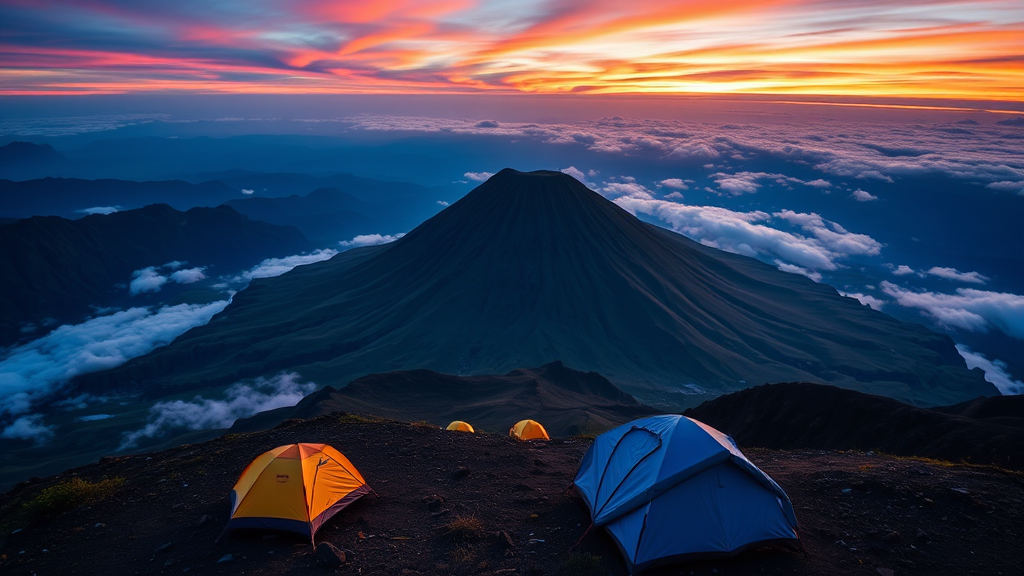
(460,426)
(528,430)
(296,488)
(669,488)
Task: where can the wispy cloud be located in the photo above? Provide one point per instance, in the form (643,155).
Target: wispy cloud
(36,370)
(995,371)
(240,400)
(863,196)
(954,274)
(30,427)
(478,176)
(98,210)
(370,240)
(967,309)
(276,266)
(153,278)
(658,46)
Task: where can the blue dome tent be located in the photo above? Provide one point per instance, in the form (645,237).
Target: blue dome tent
(669,488)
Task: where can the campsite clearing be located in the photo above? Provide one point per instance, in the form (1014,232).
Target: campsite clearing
(506,500)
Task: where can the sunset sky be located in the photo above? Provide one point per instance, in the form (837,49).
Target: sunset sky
(947,49)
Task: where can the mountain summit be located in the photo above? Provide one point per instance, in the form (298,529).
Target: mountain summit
(534,267)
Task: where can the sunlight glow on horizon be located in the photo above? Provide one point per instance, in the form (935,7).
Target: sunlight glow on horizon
(949,49)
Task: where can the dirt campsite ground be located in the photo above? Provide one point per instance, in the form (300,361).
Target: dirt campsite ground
(457,503)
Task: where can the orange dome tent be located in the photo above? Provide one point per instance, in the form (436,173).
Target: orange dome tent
(295,487)
(460,426)
(528,430)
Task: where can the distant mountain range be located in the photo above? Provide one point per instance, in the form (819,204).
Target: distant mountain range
(73,198)
(59,269)
(327,209)
(533,267)
(798,415)
(565,401)
(19,160)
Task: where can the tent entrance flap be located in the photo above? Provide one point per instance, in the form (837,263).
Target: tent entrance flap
(630,451)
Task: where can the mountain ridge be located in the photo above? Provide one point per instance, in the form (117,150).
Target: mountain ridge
(566,401)
(532,267)
(52,267)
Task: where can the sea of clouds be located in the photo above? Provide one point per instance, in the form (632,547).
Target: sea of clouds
(38,370)
(240,400)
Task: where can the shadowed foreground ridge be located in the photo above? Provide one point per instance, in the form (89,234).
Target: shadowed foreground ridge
(797,415)
(857,513)
(533,267)
(567,402)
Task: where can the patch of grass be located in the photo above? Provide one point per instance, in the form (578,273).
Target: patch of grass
(68,495)
(424,424)
(462,555)
(950,464)
(359,419)
(464,528)
(578,564)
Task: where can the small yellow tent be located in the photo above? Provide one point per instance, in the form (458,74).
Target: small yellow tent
(460,426)
(528,430)
(295,487)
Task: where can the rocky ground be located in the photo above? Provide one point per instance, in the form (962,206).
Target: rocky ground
(455,503)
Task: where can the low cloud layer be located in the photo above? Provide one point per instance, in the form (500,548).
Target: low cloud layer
(241,400)
(819,245)
(968,309)
(370,240)
(29,427)
(866,299)
(995,371)
(978,155)
(36,370)
(153,278)
(276,266)
(98,210)
(478,176)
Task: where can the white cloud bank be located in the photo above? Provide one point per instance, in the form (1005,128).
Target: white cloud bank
(579,175)
(98,210)
(240,400)
(819,245)
(968,309)
(36,370)
(370,240)
(863,196)
(866,299)
(276,266)
(954,274)
(146,280)
(995,371)
(29,427)
(150,279)
(478,176)
(978,156)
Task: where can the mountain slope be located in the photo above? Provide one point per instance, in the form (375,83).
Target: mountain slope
(565,401)
(533,267)
(325,215)
(796,415)
(55,268)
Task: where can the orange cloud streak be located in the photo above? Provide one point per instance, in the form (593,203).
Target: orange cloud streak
(843,48)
